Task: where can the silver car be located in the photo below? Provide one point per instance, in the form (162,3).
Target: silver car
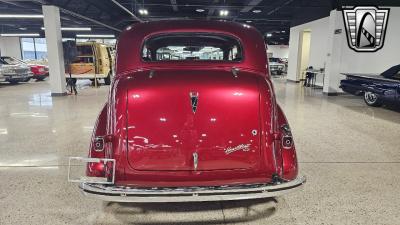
(14,73)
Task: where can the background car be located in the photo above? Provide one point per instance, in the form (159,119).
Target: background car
(39,72)
(276,66)
(377,89)
(94,61)
(14,72)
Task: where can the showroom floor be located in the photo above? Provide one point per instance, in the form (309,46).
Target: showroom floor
(348,151)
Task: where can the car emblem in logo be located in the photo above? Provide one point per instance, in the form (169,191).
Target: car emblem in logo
(365,27)
(194,99)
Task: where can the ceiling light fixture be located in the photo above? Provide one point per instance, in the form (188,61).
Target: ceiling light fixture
(23,16)
(269,35)
(200,10)
(95,35)
(223,12)
(248,21)
(20,35)
(257,11)
(143,12)
(73,28)
(283,31)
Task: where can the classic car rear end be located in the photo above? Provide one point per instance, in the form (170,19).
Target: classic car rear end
(191,116)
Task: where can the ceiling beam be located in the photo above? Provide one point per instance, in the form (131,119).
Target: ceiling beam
(19,5)
(127,10)
(279,7)
(212,10)
(77,15)
(250,5)
(89,19)
(174,6)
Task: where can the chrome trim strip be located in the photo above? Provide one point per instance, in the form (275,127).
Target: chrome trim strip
(189,194)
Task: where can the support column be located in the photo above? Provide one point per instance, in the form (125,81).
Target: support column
(52,27)
(336,39)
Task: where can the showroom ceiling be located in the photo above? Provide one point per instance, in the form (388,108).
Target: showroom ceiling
(110,16)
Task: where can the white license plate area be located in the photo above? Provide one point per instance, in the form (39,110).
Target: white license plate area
(77,170)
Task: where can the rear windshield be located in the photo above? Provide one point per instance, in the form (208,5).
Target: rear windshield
(192,47)
(85,50)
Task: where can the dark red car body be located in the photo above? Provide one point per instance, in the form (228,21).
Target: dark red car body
(149,127)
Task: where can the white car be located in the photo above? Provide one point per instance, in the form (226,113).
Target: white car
(14,73)
(276,67)
(2,77)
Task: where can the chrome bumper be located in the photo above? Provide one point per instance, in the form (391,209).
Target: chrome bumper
(17,76)
(189,194)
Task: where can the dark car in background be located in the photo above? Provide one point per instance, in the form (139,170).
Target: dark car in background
(377,89)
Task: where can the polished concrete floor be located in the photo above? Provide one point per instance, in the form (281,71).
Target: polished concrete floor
(349,152)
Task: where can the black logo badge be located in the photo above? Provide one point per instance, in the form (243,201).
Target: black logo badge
(365,27)
(194,99)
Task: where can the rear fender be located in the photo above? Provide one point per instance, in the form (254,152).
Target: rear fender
(288,154)
(99,130)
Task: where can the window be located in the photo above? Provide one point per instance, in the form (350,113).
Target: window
(34,48)
(396,76)
(192,47)
(85,50)
(41,48)
(28,48)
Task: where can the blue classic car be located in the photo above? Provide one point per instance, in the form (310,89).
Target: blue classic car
(376,88)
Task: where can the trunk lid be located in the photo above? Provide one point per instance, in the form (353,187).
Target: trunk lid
(185,120)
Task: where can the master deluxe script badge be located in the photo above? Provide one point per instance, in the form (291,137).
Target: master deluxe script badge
(365,27)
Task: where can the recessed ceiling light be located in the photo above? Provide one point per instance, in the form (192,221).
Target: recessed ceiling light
(143,12)
(19,16)
(283,31)
(200,10)
(223,12)
(269,35)
(248,21)
(96,35)
(20,35)
(257,11)
(22,28)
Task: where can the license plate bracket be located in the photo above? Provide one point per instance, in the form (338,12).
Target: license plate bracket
(81,162)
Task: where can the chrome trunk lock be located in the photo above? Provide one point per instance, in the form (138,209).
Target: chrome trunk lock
(195,160)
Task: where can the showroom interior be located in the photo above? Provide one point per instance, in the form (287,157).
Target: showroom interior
(344,123)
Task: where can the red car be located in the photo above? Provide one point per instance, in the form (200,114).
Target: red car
(40,72)
(191,116)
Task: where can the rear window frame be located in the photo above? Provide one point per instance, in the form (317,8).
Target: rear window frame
(192,61)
